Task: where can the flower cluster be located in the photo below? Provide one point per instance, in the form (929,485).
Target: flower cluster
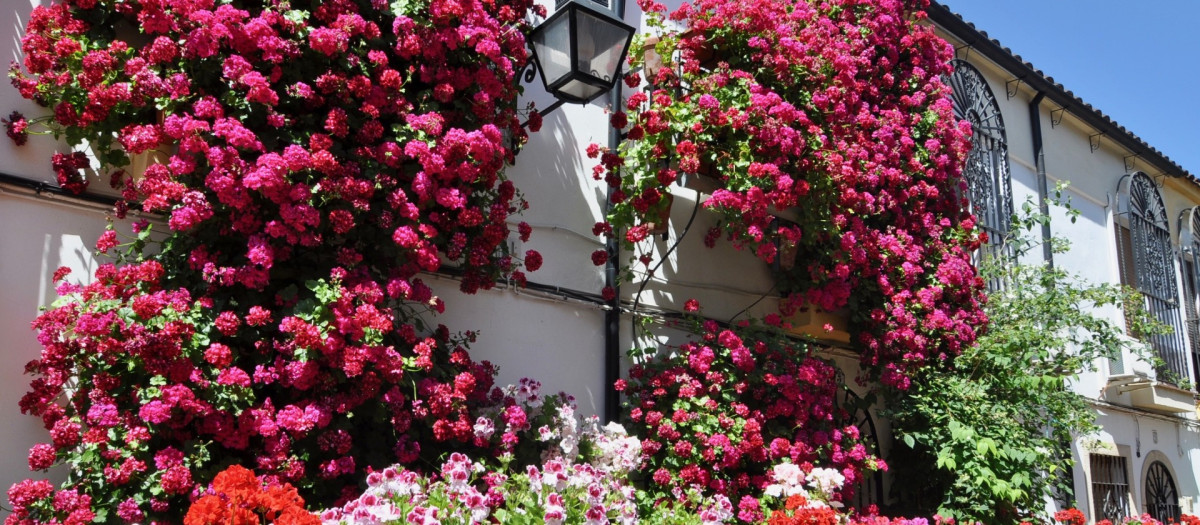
(831,114)
(805,507)
(17,128)
(723,409)
(317,157)
(1074,516)
(36,501)
(1070,517)
(521,422)
(554,492)
(238,496)
(153,396)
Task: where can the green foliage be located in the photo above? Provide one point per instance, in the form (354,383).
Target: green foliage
(990,432)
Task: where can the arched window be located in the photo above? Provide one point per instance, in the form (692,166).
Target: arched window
(854,410)
(1162,501)
(1189,247)
(1148,264)
(986,172)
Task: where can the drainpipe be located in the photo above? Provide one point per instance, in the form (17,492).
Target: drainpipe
(1039,155)
(612,316)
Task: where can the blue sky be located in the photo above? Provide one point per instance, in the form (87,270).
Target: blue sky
(1138,62)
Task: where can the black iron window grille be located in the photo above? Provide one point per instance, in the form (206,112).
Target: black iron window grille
(989,187)
(1162,501)
(855,410)
(1147,264)
(1110,488)
(1189,247)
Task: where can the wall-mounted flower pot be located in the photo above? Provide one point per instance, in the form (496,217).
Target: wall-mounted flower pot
(707,55)
(136,170)
(658,220)
(652,62)
(831,327)
(786,255)
(706,179)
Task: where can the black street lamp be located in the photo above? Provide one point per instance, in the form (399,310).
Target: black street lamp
(579,50)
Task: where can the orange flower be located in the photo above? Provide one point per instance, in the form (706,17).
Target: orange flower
(297,516)
(795,502)
(241,499)
(205,511)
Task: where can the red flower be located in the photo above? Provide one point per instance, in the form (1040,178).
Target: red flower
(61,273)
(1070,517)
(17,128)
(533,260)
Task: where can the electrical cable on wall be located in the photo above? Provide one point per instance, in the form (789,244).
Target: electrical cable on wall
(637,297)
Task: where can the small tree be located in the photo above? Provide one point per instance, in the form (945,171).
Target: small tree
(989,433)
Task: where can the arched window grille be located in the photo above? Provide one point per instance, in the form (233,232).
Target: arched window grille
(1189,247)
(854,410)
(1148,264)
(986,172)
(1162,501)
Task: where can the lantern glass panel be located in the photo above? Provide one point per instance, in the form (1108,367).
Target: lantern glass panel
(581,90)
(552,46)
(601,45)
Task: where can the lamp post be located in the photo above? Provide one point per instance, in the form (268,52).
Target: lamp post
(579,51)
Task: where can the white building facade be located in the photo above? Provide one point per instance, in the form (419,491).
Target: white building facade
(1031,133)
(1136,227)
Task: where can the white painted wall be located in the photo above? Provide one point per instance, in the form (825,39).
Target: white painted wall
(39,236)
(559,342)
(1093,177)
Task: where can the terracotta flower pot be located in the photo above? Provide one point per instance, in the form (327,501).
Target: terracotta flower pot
(707,55)
(662,216)
(810,321)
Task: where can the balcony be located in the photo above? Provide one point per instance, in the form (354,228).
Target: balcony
(1135,381)
(1152,395)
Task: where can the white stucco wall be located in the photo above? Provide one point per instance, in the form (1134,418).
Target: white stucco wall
(558,341)
(40,236)
(1093,174)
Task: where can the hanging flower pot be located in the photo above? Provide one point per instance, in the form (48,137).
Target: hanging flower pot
(704,179)
(140,161)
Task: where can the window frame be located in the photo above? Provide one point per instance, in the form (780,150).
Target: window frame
(1106,476)
(1189,258)
(987,173)
(1162,511)
(1141,212)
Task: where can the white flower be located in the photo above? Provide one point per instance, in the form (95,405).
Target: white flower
(826,480)
(788,474)
(789,481)
(484,428)
(385,511)
(615,429)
